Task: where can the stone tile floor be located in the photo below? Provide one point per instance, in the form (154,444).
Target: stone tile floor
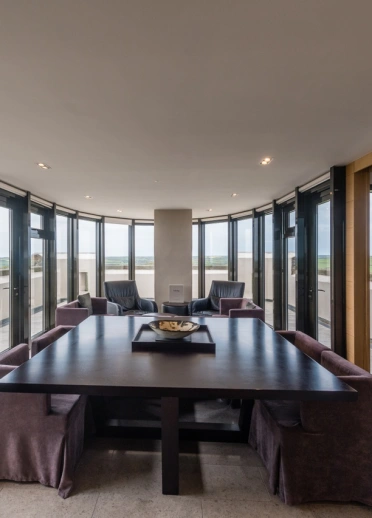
(117,478)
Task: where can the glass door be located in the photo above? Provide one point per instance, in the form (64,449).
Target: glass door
(318,269)
(5,278)
(323,274)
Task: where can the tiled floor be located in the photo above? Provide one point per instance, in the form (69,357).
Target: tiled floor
(120,479)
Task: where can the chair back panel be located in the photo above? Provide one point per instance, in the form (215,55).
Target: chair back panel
(124,293)
(225,289)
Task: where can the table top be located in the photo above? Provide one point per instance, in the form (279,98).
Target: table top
(251,361)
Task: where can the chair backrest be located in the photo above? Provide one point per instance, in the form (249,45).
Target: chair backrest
(21,405)
(15,356)
(124,293)
(351,421)
(305,343)
(225,289)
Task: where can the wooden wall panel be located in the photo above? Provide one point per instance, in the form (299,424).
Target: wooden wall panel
(357,261)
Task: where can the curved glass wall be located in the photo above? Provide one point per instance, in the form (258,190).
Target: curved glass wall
(116,252)
(216,253)
(144,260)
(87,257)
(245,255)
(87,253)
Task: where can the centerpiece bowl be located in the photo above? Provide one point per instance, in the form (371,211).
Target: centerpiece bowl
(171,329)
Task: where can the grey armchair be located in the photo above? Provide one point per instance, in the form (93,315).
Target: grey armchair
(42,435)
(219,289)
(125,294)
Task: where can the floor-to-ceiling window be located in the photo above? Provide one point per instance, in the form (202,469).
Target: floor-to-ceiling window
(195,261)
(144,260)
(5,277)
(216,253)
(245,255)
(324,272)
(269,293)
(116,251)
(62,246)
(290,262)
(87,257)
(37,292)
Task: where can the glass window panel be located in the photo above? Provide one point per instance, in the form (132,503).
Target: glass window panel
(292,219)
(269,269)
(291,284)
(116,252)
(37,286)
(324,272)
(144,260)
(36,221)
(5,288)
(62,259)
(245,255)
(216,253)
(87,257)
(195,262)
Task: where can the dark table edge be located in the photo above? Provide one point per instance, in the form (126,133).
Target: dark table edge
(349,394)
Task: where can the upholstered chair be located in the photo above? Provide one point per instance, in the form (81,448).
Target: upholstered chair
(317,450)
(42,436)
(210,305)
(240,308)
(72,314)
(41,342)
(125,294)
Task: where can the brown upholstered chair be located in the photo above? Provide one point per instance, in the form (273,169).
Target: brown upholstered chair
(318,451)
(240,308)
(42,436)
(305,343)
(41,342)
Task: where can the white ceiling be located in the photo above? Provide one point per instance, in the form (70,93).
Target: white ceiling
(115,94)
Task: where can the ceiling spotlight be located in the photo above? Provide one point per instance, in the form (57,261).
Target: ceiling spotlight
(266,161)
(119,210)
(209,210)
(87,197)
(156,181)
(234,194)
(44,166)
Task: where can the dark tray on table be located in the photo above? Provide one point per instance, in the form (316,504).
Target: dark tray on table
(200,341)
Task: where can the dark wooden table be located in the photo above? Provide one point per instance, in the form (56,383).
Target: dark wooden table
(251,361)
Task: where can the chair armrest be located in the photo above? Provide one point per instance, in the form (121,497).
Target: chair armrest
(198,305)
(231,303)
(71,316)
(41,342)
(148,305)
(99,305)
(247,313)
(114,309)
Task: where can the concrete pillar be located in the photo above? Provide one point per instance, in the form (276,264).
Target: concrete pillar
(173,252)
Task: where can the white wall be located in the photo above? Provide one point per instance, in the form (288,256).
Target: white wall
(173,252)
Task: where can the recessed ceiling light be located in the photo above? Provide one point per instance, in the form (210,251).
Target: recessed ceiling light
(234,194)
(209,210)
(266,161)
(119,210)
(87,197)
(44,166)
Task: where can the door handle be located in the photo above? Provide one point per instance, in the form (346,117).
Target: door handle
(322,290)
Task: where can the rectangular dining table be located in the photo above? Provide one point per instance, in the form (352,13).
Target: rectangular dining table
(251,361)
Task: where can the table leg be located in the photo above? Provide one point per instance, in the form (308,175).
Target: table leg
(170,445)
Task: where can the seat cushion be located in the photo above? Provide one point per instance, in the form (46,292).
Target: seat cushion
(85,301)
(284,413)
(341,367)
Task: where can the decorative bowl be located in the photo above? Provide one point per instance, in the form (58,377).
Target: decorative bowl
(173,329)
